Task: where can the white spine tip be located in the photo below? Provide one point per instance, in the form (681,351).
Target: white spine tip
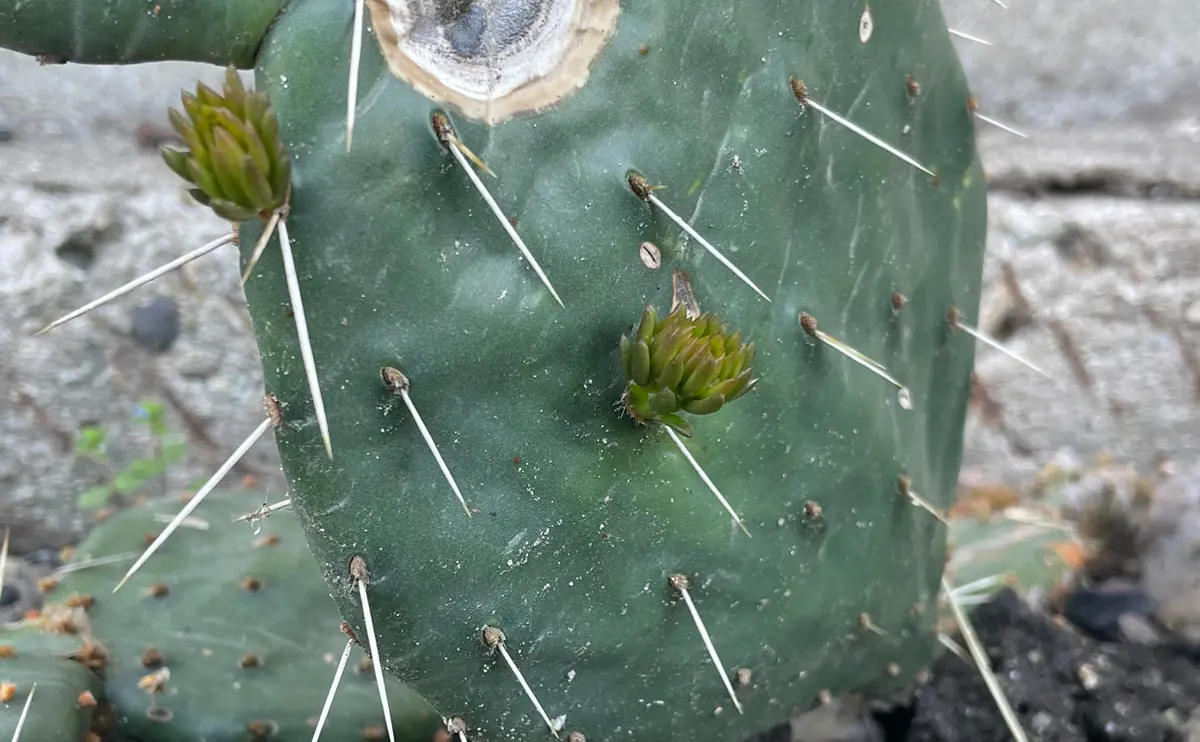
(306,352)
(263,512)
(968,37)
(24,714)
(679,222)
(261,245)
(437,455)
(869,136)
(140,281)
(986,340)
(983,663)
(3,558)
(337,680)
(1000,125)
(809,324)
(457,151)
(197,498)
(704,477)
(494,638)
(355,60)
(358,573)
(679,582)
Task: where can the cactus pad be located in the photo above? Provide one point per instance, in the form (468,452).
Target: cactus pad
(67,693)
(239,628)
(580,514)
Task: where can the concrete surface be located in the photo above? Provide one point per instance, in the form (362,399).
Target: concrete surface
(1062,63)
(79,217)
(1099,229)
(1100,236)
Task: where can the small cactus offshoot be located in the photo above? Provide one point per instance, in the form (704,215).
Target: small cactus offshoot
(235,160)
(683,363)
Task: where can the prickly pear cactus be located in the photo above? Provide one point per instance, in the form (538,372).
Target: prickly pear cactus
(593,558)
(229,635)
(34,660)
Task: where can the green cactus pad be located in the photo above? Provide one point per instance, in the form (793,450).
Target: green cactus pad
(244,626)
(127,31)
(581,515)
(27,656)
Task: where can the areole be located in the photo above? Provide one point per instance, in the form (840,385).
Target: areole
(493,59)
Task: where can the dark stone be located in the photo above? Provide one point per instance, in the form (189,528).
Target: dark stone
(156,325)
(81,247)
(6,134)
(9,595)
(1097,610)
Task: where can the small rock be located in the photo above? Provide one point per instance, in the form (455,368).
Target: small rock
(841,720)
(156,325)
(1172,563)
(1137,629)
(9,595)
(1097,610)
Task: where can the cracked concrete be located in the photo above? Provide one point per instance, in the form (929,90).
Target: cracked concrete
(1098,233)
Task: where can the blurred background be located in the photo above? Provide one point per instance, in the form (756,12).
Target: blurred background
(1093,267)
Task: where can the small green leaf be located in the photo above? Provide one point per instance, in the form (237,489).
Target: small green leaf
(174,452)
(626,355)
(227,167)
(136,474)
(231,211)
(678,424)
(663,402)
(640,364)
(94,497)
(705,406)
(91,440)
(649,321)
(703,376)
(176,160)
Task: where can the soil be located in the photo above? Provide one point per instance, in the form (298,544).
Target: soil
(1064,686)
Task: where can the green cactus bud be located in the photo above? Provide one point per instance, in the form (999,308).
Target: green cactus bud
(683,364)
(234,158)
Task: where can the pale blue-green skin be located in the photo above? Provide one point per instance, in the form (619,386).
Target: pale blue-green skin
(401,264)
(55,714)
(207,623)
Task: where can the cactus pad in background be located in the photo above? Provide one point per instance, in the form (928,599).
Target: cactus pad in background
(233,631)
(595,547)
(67,690)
